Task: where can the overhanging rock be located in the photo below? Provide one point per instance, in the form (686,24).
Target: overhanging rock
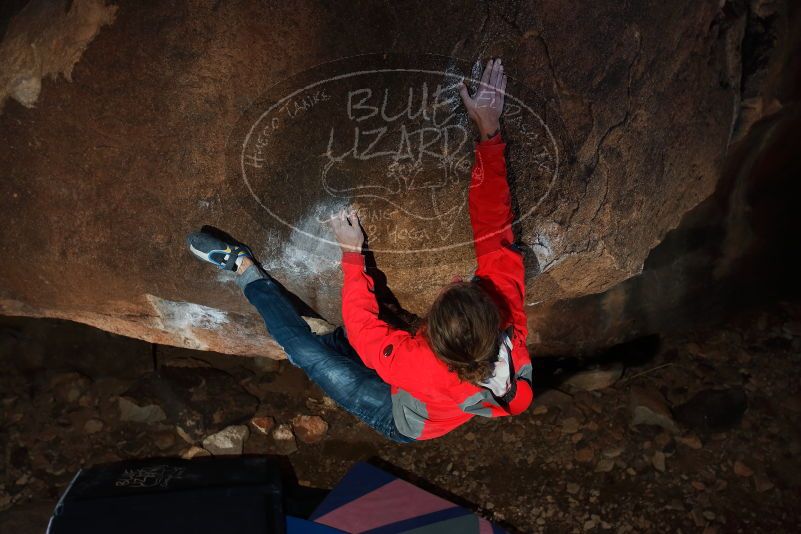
(618,123)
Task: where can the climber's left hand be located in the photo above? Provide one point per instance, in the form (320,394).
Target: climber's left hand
(348,230)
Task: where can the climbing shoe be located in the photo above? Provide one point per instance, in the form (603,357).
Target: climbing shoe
(221,252)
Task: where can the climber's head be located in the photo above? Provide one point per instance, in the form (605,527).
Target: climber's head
(462,328)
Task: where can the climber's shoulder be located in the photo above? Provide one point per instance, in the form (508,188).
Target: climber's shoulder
(416,354)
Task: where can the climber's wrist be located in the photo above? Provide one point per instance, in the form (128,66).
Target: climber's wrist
(488,130)
(351,257)
(352,247)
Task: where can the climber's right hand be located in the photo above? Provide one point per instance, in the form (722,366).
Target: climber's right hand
(485,107)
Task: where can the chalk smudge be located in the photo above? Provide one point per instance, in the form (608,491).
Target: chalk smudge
(185,318)
(309,250)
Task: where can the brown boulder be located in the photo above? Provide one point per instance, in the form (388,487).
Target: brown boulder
(741,469)
(194,452)
(284,439)
(617,128)
(648,407)
(131,410)
(597,378)
(69,387)
(309,428)
(228,441)
(263,424)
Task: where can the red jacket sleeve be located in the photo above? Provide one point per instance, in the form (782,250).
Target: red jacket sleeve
(522,399)
(499,262)
(378,345)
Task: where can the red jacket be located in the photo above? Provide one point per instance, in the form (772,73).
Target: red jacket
(428,400)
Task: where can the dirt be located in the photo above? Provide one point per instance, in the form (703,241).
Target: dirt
(573,462)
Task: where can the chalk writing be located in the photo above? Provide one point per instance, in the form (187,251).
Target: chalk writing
(149,477)
(394,142)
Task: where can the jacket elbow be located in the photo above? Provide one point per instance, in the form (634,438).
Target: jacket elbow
(522,400)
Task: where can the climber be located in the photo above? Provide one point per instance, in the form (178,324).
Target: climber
(469,357)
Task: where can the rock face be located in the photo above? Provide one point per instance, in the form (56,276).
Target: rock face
(47,39)
(619,121)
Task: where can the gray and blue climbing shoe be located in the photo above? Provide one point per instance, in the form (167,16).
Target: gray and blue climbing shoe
(218,251)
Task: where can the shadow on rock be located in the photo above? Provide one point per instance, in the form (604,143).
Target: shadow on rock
(713,410)
(595,372)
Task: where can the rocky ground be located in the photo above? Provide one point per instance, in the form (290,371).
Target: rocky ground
(697,434)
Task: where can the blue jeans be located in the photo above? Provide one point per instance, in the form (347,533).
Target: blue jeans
(328,360)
